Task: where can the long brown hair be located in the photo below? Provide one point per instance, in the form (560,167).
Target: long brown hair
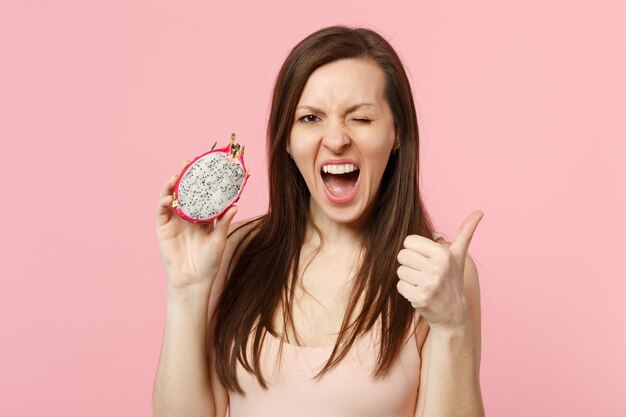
(266,262)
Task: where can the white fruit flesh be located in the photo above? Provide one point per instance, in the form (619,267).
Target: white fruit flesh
(210,185)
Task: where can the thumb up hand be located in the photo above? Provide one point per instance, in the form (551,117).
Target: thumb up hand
(431,276)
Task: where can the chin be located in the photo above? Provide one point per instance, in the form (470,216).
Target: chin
(348,214)
(343,216)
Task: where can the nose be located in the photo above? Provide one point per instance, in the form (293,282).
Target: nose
(335,139)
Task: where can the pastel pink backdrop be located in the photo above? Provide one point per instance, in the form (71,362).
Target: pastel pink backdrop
(521,108)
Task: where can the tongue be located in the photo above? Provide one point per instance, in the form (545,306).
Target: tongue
(340,185)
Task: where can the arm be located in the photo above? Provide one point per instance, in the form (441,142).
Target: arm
(186,382)
(182,386)
(450,370)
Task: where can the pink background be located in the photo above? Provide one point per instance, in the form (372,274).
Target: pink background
(522,111)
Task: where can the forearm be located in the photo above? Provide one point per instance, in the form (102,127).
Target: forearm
(182,383)
(453,384)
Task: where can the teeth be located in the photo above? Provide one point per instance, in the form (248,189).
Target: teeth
(339,169)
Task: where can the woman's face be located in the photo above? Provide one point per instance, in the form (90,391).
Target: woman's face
(342,136)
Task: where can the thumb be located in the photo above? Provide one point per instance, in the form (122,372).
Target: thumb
(462,241)
(222,224)
(437,236)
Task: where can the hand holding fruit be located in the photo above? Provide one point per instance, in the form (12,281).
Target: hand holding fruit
(191,252)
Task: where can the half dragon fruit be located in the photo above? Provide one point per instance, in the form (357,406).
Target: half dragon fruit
(211,183)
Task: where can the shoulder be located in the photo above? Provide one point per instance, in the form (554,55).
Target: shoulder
(243,226)
(238,233)
(242,230)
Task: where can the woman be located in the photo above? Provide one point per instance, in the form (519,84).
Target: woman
(337,302)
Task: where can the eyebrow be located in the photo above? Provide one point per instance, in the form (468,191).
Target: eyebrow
(349,110)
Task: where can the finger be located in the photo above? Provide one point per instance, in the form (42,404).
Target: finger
(413,294)
(164,210)
(223,222)
(183,165)
(414,260)
(411,276)
(164,206)
(462,241)
(168,187)
(438,237)
(422,245)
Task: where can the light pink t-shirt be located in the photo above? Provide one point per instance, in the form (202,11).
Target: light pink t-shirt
(348,390)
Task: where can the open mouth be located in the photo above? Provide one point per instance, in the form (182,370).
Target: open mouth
(340,179)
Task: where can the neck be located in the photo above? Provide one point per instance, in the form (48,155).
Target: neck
(335,235)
